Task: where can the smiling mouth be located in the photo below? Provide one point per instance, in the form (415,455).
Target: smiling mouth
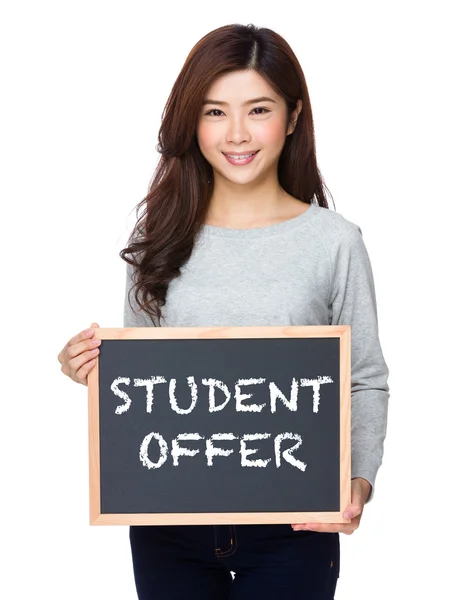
(236,158)
(240,156)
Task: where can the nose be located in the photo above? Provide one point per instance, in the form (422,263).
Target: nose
(237,131)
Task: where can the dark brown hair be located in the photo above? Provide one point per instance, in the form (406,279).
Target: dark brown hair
(173,211)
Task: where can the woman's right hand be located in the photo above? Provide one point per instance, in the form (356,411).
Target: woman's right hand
(78,356)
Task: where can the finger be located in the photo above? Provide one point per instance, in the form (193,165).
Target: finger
(81,347)
(83,335)
(82,374)
(77,363)
(355,508)
(346,528)
(352,512)
(354,524)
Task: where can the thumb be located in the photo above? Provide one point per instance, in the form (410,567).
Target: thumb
(94,325)
(353,511)
(357,502)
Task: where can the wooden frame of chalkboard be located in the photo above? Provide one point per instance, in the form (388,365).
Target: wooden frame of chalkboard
(118,498)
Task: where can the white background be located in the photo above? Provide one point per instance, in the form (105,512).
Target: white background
(84,84)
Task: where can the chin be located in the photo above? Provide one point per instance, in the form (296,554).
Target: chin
(241,180)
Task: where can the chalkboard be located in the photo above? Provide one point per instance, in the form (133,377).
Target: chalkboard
(202,425)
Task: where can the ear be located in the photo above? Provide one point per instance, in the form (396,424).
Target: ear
(294,116)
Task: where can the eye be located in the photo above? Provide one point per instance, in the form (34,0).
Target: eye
(260,108)
(214,110)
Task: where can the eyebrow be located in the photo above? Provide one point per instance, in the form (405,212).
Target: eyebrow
(253,101)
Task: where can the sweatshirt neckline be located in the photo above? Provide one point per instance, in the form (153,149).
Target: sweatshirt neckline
(266,230)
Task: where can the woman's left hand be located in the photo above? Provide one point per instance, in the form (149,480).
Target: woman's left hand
(360,490)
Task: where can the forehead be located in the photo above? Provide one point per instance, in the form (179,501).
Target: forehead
(240,86)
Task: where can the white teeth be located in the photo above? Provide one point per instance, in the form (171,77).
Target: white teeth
(240,156)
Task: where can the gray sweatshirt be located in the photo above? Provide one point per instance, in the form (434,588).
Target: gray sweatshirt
(313,269)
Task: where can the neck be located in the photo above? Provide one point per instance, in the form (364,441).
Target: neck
(236,205)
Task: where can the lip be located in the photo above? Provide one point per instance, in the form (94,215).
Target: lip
(238,162)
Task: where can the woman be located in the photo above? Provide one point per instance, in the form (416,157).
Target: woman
(236,230)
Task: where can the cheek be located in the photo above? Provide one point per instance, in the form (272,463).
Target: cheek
(206,138)
(273,133)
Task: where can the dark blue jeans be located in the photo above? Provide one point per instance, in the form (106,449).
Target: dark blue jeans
(194,562)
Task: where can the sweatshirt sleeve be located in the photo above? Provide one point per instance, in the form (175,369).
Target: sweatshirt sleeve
(133,316)
(353,302)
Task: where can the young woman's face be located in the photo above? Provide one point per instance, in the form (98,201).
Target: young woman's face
(242,127)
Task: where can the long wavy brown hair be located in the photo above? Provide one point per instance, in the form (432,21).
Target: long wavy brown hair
(173,211)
